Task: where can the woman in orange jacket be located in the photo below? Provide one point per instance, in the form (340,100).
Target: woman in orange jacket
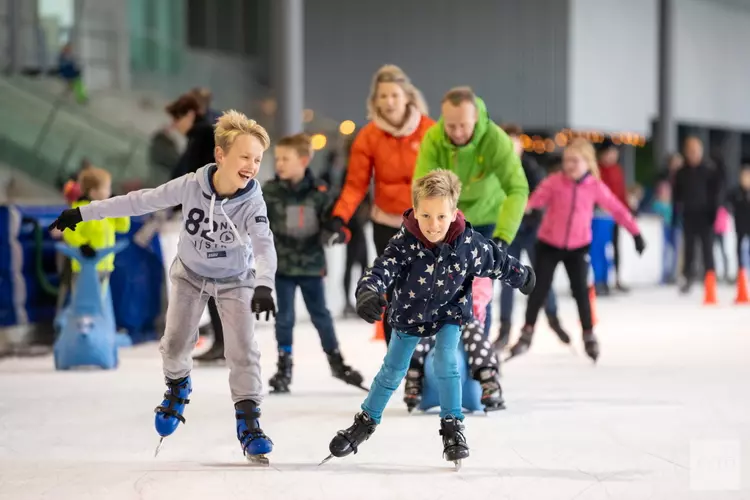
(385,150)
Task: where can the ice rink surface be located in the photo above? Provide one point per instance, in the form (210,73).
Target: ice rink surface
(664,415)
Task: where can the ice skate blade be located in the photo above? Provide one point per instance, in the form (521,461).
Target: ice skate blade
(457,464)
(260,460)
(158,446)
(326,459)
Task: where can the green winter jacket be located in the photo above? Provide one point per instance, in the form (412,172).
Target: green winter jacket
(494,187)
(296,214)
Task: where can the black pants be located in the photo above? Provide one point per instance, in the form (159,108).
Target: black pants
(616,249)
(381,235)
(740,257)
(698,228)
(576,264)
(356,253)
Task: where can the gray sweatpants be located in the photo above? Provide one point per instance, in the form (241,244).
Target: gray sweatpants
(187,301)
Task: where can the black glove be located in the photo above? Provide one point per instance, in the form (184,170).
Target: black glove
(502,244)
(328,237)
(87,251)
(640,245)
(530,283)
(68,219)
(370,305)
(263,302)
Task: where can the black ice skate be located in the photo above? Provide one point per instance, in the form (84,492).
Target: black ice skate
(283,378)
(344,372)
(501,342)
(554,323)
(455,448)
(523,344)
(492,392)
(413,389)
(214,355)
(591,345)
(347,441)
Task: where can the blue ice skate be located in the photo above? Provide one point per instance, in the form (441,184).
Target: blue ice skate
(169,413)
(255,444)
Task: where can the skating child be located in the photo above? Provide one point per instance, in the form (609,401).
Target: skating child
(431,262)
(662,206)
(298,207)
(739,204)
(483,362)
(225,238)
(565,235)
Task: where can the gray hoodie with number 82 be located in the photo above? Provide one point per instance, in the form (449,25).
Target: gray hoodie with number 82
(221,238)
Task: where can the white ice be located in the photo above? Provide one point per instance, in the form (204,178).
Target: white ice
(664,415)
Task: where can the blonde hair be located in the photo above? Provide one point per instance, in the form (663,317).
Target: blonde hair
(584,148)
(436,184)
(233,124)
(301,143)
(390,73)
(93,178)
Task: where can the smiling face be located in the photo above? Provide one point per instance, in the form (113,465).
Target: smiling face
(459,121)
(434,216)
(240,163)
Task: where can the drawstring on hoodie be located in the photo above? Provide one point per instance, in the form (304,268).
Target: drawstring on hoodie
(211,207)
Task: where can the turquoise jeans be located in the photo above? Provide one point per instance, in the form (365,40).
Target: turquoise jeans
(396,362)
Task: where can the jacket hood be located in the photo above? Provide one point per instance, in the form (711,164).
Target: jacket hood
(307,182)
(483,124)
(455,230)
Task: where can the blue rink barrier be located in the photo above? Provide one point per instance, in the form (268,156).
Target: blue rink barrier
(29,276)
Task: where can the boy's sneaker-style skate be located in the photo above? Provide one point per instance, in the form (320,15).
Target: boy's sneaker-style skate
(591,345)
(501,342)
(523,344)
(554,323)
(413,389)
(283,378)
(169,413)
(255,444)
(214,354)
(344,372)
(348,440)
(492,392)
(455,448)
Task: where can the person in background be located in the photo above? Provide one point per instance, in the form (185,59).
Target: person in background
(662,206)
(204,98)
(70,71)
(696,198)
(721,226)
(739,204)
(525,241)
(613,177)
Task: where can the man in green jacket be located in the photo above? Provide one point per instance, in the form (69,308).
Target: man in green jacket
(494,188)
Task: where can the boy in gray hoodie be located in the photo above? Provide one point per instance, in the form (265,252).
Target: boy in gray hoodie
(226,250)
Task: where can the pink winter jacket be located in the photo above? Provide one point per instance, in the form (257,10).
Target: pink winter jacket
(570,209)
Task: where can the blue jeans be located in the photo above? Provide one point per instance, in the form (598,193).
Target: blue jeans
(669,253)
(396,362)
(525,240)
(314,295)
(487,231)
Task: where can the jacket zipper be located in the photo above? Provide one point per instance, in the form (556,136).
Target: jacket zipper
(570,217)
(432,289)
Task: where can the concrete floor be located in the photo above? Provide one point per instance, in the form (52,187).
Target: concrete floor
(664,415)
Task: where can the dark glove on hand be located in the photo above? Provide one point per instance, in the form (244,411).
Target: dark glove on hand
(370,305)
(502,244)
(263,302)
(68,219)
(329,238)
(87,251)
(640,245)
(530,283)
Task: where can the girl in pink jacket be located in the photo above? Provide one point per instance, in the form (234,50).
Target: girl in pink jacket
(569,198)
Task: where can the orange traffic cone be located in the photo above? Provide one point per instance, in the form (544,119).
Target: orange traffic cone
(379,331)
(709,297)
(592,301)
(742,295)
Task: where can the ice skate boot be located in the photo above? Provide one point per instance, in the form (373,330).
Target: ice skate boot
(169,413)
(347,441)
(554,323)
(214,354)
(501,342)
(349,311)
(492,392)
(283,378)
(344,372)
(413,389)
(255,444)
(591,345)
(523,344)
(455,448)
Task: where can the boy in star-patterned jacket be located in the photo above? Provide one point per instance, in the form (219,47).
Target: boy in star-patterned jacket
(431,262)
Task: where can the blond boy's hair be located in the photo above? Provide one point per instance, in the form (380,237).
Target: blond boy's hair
(233,124)
(300,143)
(437,184)
(93,178)
(584,148)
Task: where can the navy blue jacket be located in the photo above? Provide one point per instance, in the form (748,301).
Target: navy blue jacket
(433,282)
